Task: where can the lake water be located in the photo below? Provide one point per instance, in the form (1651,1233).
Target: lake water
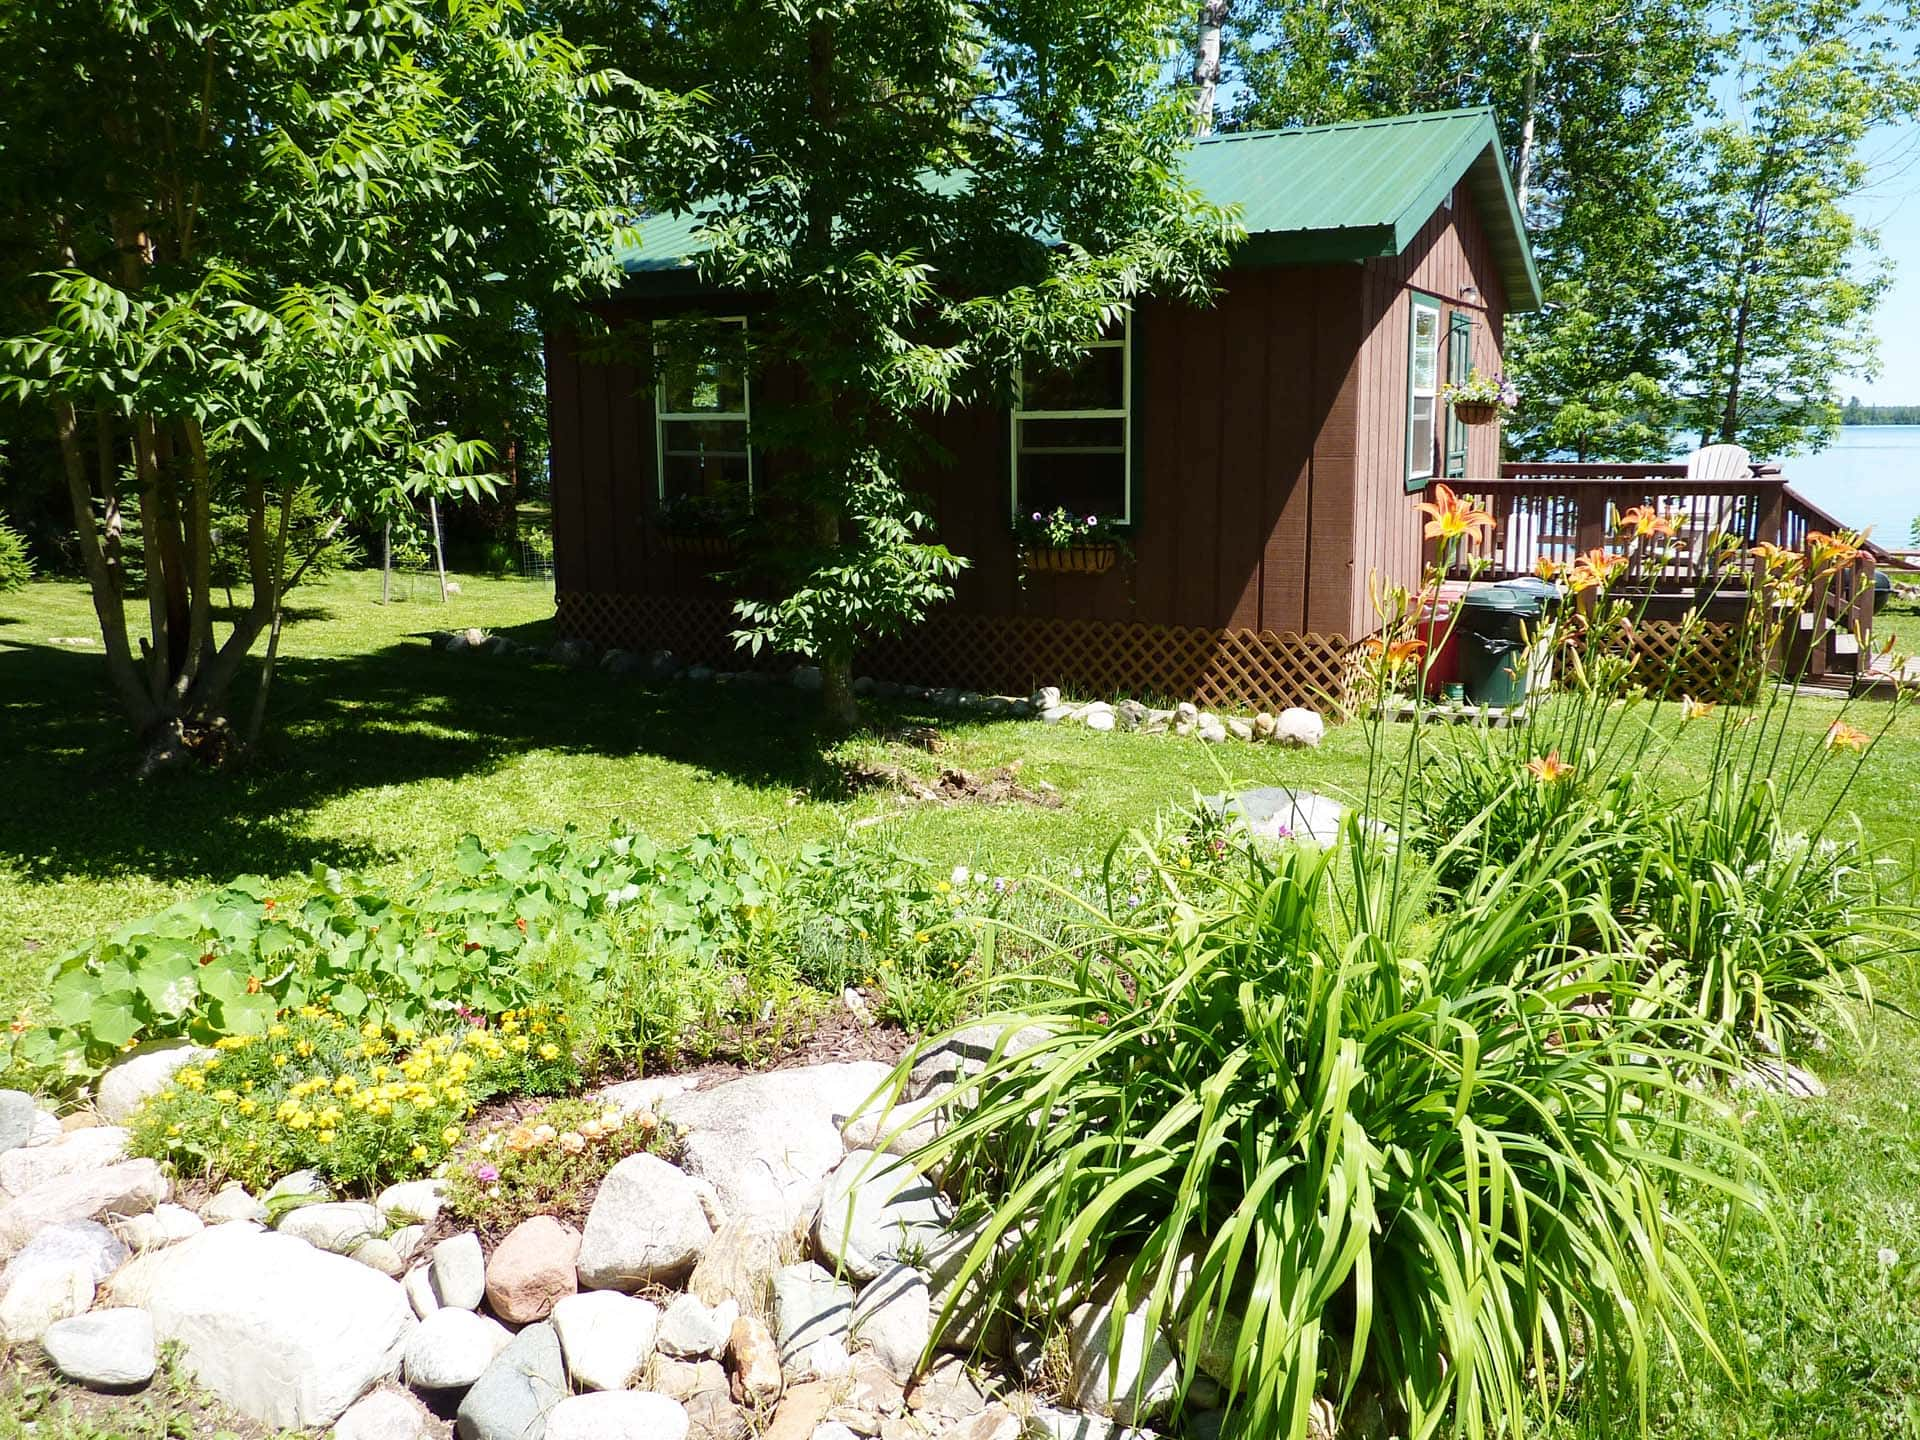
(1869,475)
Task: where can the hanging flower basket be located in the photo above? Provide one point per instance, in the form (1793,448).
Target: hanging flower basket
(1094,559)
(1476,412)
(704,547)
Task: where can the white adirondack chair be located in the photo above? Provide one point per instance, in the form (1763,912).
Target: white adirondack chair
(1708,515)
(1719,462)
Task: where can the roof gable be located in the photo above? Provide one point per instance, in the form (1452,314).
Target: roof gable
(1315,195)
(1364,188)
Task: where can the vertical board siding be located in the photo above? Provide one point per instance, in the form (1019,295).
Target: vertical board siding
(1272,435)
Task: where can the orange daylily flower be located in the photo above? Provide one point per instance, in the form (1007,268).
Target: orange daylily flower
(1692,709)
(1593,570)
(1775,557)
(1546,567)
(1549,769)
(1398,652)
(1645,520)
(1838,551)
(1842,736)
(1454,516)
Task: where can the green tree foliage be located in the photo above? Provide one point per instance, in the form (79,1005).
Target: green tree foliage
(15,566)
(235,239)
(1594,103)
(1782,280)
(1857,413)
(907,198)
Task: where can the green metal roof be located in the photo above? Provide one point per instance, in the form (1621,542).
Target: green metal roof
(1310,196)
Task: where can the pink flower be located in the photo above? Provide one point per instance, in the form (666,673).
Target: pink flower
(485,1174)
(1093,520)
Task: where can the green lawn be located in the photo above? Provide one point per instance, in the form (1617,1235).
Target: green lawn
(383,752)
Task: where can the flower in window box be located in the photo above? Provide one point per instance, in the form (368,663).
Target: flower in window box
(701,524)
(1069,544)
(1482,398)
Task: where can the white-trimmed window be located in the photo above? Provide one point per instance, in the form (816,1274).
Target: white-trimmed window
(1072,434)
(702,411)
(1423,389)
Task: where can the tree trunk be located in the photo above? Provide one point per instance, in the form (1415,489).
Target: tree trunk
(102,576)
(839,706)
(258,723)
(1523,170)
(1206,63)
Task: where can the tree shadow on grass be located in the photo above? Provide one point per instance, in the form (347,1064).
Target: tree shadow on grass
(384,718)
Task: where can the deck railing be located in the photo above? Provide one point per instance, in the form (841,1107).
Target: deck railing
(1553,510)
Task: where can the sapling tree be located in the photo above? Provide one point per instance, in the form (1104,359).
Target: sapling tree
(907,198)
(233,239)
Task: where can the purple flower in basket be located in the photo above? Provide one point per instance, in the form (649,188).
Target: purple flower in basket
(1509,395)
(1092,520)
(1037,517)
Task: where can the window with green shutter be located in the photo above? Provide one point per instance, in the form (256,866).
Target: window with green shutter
(1423,388)
(1459,367)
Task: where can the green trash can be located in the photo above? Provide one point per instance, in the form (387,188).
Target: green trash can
(1494,621)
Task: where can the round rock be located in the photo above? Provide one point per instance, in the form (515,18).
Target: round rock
(144,1073)
(647,1226)
(617,1415)
(514,1397)
(459,1272)
(383,1415)
(531,1269)
(606,1337)
(451,1349)
(107,1350)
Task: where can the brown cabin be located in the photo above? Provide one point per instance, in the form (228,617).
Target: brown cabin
(1264,454)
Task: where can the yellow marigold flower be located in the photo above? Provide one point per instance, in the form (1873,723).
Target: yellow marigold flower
(451,1134)
(226,1097)
(419,1152)
(276,1032)
(247,1107)
(331,1115)
(538,1027)
(303,1048)
(300,1120)
(518,1044)
(280,1060)
(549,1051)
(172,1130)
(325,1137)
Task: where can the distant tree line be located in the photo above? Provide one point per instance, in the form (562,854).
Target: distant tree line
(1857,414)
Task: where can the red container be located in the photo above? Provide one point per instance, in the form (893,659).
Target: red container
(1439,629)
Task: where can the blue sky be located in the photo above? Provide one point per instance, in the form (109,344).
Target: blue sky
(1891,203)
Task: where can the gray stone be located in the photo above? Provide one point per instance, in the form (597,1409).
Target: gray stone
(145,1072)
(971,1317)
(107,1350)
(1279,812)
(963,1054)
(1211,731)
(1779,1077)
(1056,1424)
(1047,697)
(339,1228)
(162,1225)
(645,1097)
(1146,1377)
(692,1331)
(1240,729)
(412,1202)
(459,1272)
(618,1415)
(892,1318)
(809,1306)
(1131,714)
(383,1415)
(304,1187)
(54,1276)
(233,1203)
(1054,714)
(738,1264)
(698,674)
(286,1334)
(877,1209)
(647,1226)
(767,1141)
(1263,726)
(129,1187)
(512,1399)
(807,678)
(406,1242)
(450,1349)
(684,1379)
(606,1337)
(1101,720)
(662,665)
(418,1285)
(378,1254)
(17,1114)
(1299,728)
(1156,721)
(996,1422)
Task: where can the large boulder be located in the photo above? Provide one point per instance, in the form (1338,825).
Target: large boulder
(1302,729)
(339,1228)
(647,1226)
(107,1350)
(767,1141)
(144,1073)
(877,1209)
(893,1318)
(809,1306)
(1145,1378)
(512,1400)
(964,1053)
(606,1337)
(286,1334)
(130,1187)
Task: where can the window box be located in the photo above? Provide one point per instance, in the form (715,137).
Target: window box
(704,547)
(1094,559)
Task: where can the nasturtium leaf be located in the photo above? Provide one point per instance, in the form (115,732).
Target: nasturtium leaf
(115,1018)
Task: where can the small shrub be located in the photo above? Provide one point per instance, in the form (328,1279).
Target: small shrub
(549,1162)
(362,1105)
(15,568)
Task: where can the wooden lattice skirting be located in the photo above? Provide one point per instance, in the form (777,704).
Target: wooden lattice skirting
(1227,669)
(1239,669)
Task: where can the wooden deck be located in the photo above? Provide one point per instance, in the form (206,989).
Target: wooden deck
(1558,510)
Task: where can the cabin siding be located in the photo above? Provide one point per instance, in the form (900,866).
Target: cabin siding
(1449,254)
(1271,428)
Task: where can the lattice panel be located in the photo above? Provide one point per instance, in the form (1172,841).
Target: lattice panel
(1240,669)
(1705,659)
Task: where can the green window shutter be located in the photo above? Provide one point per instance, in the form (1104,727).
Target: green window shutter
(1423,388)
(1459,367)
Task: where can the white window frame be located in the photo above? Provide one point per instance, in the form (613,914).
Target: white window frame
(1123,342)
(1414,393)
(663,416)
